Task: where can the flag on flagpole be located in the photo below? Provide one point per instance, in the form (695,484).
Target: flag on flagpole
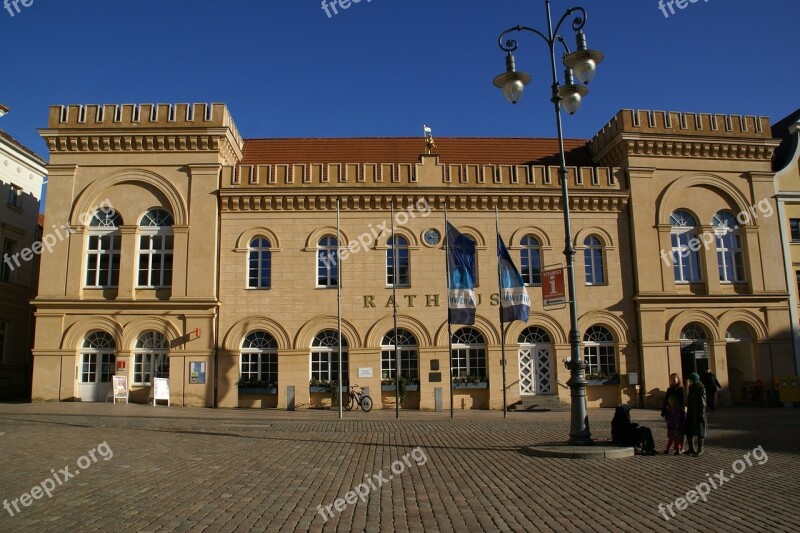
(460,282)
(513,296)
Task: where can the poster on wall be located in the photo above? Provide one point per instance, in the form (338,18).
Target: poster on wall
(120,386)
(197,372)
(160,390)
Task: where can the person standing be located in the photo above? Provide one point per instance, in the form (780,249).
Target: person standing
(696,415)
(711,384)
(674,412)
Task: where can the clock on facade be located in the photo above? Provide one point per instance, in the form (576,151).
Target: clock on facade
(432,237)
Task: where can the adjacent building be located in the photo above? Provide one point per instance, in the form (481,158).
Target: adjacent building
(22,174)
(221,263)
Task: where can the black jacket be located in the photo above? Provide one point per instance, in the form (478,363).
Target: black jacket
(696,412)
(678,392)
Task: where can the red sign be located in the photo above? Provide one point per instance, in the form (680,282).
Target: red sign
(197,332)
(553,292)
(120,365)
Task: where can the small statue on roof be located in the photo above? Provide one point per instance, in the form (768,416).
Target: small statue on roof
(429,142)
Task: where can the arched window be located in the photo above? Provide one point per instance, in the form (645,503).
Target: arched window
(259,264)
(593,261)
(694,348)
(325,357)
(599,352)
(328,262)
(468,358)
(103,254)
(150,358)
(155,249)
(408,352)
(685,246)
(534,335)
(98,358)
(397,251)
(259,360)
(729,248)
(531,260)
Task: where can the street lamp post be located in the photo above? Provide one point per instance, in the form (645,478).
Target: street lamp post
(581,64)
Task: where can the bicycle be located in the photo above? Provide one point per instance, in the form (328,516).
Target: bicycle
(358,398)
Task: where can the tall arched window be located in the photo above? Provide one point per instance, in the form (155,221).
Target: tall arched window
(397,251)
(593,261)
(259,264)
(685,246)
(408,352)
(694,348)
(98,358)
(259,359)
(155,249)
(325,357)
(328,262)
(531,260)
(103,254)
(468,357)
(150,358)
(729,248)
(599,352)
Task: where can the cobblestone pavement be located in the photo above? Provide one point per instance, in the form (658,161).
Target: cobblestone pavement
(187,469)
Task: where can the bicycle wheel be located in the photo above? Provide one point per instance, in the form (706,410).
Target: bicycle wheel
(366,404)
(350,402)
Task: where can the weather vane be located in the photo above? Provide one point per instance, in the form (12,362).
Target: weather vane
(429,143)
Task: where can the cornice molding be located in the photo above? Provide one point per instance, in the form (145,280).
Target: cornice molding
(233,201)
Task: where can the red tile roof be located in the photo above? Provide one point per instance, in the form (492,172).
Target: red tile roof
(408,149)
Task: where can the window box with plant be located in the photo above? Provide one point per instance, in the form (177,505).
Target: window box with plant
(324,386)
(256,386)
(471,382)
(602,378)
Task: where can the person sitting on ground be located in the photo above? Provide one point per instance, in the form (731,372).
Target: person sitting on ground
(626,433)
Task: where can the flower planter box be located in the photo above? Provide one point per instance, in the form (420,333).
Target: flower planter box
(610,381)
(481,385)
(260,390)
(409,388)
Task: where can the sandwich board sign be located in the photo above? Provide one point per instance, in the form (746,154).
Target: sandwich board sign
(160,390)
(120,387)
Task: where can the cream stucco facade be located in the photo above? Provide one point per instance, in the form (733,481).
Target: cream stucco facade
(241,287)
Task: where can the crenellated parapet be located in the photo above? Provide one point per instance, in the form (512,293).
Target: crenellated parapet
(690,135)
(143,128)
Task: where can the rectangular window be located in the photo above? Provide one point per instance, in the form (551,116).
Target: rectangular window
(409,364)
(3,327)
(7,266)
(259,367)
(155,261)
(794,228)
(600,360)
(14,196)
(402,267)
(325,366)
(147,366)
(102,261)
(468,362)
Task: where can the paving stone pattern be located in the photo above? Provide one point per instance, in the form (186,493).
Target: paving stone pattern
(185,469)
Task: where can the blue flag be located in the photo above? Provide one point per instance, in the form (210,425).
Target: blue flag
(460,281)
(513,296)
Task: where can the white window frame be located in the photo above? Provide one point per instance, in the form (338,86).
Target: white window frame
(597,343)
(468,344)
(261,253)
(593,254)
(526,253)
(682,235)
(730,253)
(327,262)
(403,254)
(156,223)
(325,351)
(263,347)
(150,359)
(408,352)
(103,226)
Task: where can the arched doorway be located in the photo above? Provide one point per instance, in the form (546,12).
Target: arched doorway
(694,349)
(535,362)
(741,362)
(97,361)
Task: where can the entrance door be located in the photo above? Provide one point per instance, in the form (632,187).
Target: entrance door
(95,376)
(535,370)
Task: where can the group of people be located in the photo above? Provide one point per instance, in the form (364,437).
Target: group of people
(684,413)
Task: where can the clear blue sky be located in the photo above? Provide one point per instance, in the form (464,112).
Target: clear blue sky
(385,67)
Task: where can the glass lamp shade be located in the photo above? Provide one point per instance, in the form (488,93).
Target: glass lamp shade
(584,64)
(513,84)
(572,97)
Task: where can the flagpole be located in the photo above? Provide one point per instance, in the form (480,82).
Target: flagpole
(502,327)
(339,307)
(449,325)
(394,310)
